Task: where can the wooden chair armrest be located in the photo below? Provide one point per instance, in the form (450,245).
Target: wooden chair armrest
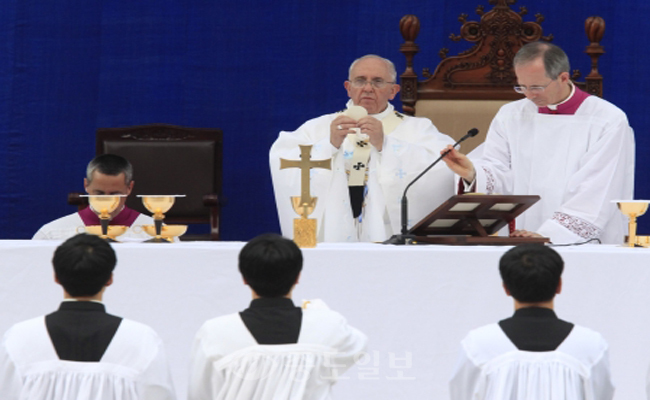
(75,199)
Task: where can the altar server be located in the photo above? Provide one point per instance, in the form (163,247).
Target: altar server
(359,199)
(533,355)
(273,350)
(573,149)
(106,174)
(80,352)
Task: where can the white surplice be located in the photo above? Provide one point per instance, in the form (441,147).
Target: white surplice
(133,367)
(66,227)
(407,150)
(577,163)
(228,364)
(490,367)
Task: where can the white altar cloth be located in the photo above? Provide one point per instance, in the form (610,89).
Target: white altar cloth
(415,303)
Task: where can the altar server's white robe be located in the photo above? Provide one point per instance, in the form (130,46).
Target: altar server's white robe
(407,151)
(490,367)
(70,225)
(228,364)
(577,163)
(133,367)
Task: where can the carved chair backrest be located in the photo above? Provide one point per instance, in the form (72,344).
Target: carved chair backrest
(467,90)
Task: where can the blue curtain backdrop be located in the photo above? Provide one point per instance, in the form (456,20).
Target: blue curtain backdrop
(252,68)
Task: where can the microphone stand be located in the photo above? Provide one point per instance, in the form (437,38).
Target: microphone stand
(405,237)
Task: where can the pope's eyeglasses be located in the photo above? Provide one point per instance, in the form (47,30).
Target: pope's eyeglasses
(376,83)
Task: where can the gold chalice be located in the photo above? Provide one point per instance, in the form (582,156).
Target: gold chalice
(103,205)
(633,209)
(168,232)
(158,205)
(112,232)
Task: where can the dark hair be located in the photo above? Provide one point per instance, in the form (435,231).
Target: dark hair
(270,264)
(110,164)
(531,272)
(83,264)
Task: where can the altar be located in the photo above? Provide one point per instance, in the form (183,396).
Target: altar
(415,303)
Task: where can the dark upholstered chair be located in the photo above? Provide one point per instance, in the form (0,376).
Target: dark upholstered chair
(467,90)
(170,159)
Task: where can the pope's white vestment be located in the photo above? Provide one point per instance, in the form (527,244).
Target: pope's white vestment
(407,150)
(133,367)
(228,364)
(577,163)
(491,367)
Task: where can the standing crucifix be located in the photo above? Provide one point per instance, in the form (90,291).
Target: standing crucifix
(304,229)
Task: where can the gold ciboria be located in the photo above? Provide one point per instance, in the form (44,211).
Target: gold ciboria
(158,205)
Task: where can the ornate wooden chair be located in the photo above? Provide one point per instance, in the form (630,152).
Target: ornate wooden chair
(467,90)
(170,159)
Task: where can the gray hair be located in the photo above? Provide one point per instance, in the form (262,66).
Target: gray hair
(110,164)
(389,64)
(555,59)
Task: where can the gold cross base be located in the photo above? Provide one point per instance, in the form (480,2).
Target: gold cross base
(304,232)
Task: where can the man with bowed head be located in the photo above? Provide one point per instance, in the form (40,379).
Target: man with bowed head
(574,150)
(81,352)
(106,174)
(532,355)
(375,151)
(236,356)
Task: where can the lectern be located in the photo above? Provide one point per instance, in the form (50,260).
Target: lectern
(473,219)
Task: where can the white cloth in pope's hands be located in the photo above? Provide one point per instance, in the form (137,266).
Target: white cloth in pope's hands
(356,113)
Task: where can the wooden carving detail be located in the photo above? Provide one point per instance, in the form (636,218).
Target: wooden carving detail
(485,70)
(497,37)
(595,29)
(409,26)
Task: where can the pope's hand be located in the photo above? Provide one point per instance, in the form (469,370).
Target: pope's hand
(339,129)
(459,163)
(372,127)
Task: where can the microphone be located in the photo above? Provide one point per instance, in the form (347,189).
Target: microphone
(404,237)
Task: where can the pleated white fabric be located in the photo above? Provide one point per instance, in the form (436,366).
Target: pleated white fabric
(535,376)
(275,372)
(77,380)
(492,368)
(228,364)
(132,368)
